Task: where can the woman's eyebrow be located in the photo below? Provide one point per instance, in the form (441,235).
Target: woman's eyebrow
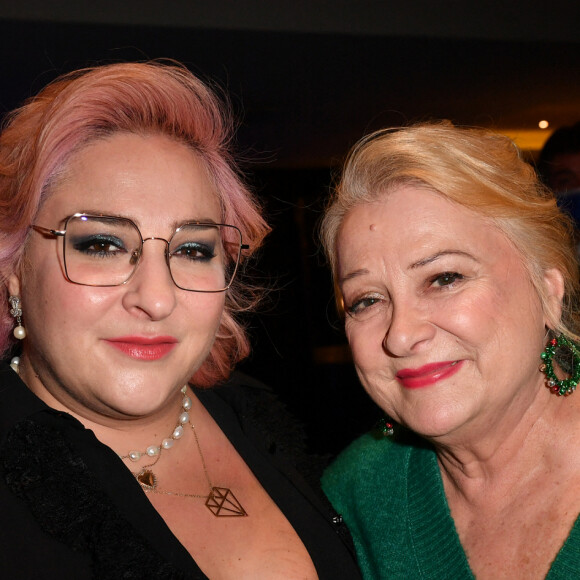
(353,274)
(432,258)
(414,265)
(95,214)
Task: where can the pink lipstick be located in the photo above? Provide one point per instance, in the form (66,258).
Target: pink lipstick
(428,375)
(142,348)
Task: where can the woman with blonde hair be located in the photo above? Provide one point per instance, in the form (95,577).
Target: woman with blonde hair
(125,227)
(458,278)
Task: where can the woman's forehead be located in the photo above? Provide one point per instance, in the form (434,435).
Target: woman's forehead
(148,179)
(410,226)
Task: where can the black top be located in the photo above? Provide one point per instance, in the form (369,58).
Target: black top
(69,508)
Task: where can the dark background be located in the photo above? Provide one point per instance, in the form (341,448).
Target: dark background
(306,79)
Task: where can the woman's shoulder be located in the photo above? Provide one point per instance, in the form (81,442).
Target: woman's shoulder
(372,449)
(371,460)
(255,405)
(361,455)
(254,409)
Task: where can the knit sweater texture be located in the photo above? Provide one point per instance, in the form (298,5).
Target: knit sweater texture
(390,494)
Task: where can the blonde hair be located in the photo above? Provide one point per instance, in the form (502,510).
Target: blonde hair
(478,169)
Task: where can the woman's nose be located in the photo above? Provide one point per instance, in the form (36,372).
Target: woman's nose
(151,289)
(409,329)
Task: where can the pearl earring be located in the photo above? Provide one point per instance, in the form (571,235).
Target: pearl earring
(16,311)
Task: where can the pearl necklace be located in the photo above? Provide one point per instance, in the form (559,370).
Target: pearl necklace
(167,443)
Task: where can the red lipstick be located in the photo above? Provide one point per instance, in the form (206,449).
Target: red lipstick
(143,348)
(428,375)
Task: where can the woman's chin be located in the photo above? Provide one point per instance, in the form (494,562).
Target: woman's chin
(134,399)
(436,423)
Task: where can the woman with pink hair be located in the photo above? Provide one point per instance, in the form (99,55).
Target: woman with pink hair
(124,229)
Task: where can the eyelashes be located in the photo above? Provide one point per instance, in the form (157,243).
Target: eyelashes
(361,304)
(446,279)
(99,246)
(195,251)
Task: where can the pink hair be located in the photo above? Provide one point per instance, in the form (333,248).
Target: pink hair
(141,98)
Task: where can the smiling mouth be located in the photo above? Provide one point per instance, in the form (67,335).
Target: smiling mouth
(428,374)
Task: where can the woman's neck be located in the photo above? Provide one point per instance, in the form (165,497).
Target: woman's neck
(513,448)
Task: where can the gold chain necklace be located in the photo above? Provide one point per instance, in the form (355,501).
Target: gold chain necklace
(220,501)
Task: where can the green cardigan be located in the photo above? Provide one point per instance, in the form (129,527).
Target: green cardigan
(391,496)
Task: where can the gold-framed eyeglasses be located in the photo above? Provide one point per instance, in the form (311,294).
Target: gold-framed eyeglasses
(104,250)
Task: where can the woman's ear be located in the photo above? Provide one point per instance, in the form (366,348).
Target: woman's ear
(13,285)
(554,294)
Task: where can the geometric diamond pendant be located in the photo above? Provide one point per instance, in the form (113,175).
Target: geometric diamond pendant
(222,503)
(147,479)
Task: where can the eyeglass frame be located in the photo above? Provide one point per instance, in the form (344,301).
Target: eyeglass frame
(62,233)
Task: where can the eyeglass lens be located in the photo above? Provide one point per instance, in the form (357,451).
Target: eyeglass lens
(105,251)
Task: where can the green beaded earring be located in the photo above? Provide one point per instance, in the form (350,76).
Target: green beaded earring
(565,386)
